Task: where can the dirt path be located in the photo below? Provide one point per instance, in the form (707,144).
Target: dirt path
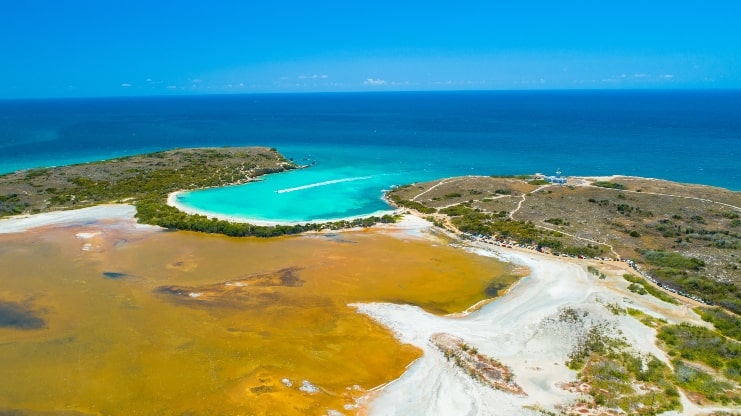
(524,196)
(674,196)
(444,181)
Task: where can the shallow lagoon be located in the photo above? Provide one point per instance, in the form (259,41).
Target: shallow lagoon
(337,183)
(215,325)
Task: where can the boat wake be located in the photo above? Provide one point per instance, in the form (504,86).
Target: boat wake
(325,183)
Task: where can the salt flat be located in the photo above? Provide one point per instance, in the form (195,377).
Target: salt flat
(521,329)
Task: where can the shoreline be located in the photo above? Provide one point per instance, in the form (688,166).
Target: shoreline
(97,213)
(172,200)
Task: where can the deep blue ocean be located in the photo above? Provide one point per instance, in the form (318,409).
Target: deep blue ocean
(363,143)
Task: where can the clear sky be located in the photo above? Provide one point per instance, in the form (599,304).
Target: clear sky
(53,48)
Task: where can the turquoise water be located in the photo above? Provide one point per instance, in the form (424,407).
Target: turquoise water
(362,144)
(338,183)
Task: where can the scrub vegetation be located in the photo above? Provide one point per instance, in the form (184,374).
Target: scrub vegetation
(684,237)
(642,287)
(612,374)
(707,364)
(146,180)
(134,178)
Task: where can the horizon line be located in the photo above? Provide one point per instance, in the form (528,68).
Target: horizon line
(372,92)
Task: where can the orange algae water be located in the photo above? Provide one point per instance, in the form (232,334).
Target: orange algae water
(128,322)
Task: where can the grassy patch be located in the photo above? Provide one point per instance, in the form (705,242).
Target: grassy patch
(640,286)
(614,379)
(646,319)
(400,202)
(727,324)
(694,343)
(610,185)
(695,380)
(672,260)
(619,378)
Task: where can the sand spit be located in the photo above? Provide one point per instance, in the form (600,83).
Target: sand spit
(522,330)
(83,216)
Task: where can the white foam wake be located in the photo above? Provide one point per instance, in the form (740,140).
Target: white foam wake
(325,183)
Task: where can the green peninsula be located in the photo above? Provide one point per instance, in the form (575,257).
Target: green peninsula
(134,178)
(146,180)
(687,237)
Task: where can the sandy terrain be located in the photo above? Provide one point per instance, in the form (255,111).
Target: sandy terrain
(114,212)
(519,329)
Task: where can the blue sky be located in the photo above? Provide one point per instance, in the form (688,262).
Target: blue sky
(110,48)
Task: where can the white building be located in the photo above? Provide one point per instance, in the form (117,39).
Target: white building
(558,179)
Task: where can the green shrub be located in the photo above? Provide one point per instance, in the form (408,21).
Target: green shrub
(695,380)
(648,288)
(727,324)
(610,185)
(556,221)
(695,343)
(400,202)
(672,260)
(636,288)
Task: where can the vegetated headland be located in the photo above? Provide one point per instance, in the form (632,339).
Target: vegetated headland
(146,180)
(686,238)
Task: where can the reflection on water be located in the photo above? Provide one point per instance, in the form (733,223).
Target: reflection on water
(143,322)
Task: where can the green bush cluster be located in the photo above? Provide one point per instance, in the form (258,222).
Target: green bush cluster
(641,286)
(724,294)
(695,380)
(163,215)
(10,204)
(681,273)
(646,319)
(727,324)
(672,260)
(610,185)
(400,202)
(596,341)
(613,373)
(636,288)
(613,378)
(695,343)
